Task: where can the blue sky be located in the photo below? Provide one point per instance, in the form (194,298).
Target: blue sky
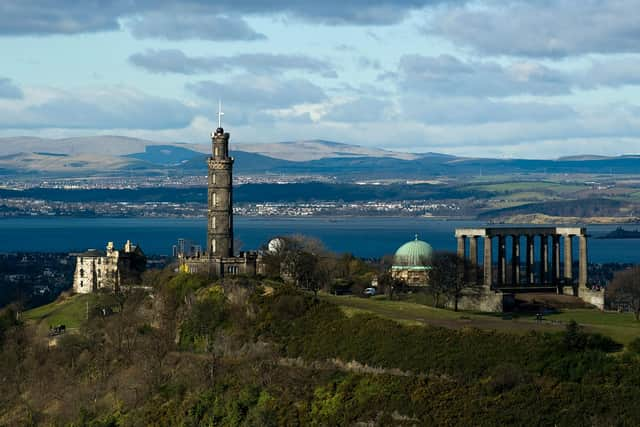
(537,79)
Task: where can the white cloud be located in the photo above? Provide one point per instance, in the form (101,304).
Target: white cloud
(549,28)
(94,108)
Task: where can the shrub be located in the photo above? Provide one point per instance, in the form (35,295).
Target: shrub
(634,346)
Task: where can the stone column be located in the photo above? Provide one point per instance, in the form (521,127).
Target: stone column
(473,256)
(502,260)
(530,259)
(515,260)
(555,262)
(461,246)
(544,259)
(568,260)
(473,250)
(582,275)
(488,262)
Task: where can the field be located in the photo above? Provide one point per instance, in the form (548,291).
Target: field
(528,186)
(70,311)
(621,327)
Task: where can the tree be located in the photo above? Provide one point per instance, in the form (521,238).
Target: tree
(389,284)
(447,278)
(625,288)
(305,262)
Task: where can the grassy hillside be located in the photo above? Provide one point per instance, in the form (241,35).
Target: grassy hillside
(69,311)
(199,352)
(621,327)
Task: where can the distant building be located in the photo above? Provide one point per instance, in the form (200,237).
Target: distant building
(109,269)
(186,248)
(412,263)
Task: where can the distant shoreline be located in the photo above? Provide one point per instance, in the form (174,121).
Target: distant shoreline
(536,219)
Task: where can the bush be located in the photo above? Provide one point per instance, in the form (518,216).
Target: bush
(506,376)
(634,346)
(208,313)
(184,284)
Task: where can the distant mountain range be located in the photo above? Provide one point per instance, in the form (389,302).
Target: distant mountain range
(115,155)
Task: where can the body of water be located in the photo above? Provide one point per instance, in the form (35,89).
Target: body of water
(362,236)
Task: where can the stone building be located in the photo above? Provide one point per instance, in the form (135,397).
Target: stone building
(108,269)
(528,259)
(411,263)
(219,258)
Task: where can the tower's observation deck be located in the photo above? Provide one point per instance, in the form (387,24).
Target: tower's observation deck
(220,197)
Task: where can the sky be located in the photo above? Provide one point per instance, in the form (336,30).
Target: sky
(491,78)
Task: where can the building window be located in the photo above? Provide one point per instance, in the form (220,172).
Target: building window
(213,178)
(214,199)
(213,245)
(81,272)
(213,222)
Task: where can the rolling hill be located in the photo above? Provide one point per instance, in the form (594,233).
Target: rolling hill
(122,156)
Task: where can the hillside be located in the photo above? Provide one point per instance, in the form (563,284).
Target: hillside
(582,208)
(121,156)
(260,353)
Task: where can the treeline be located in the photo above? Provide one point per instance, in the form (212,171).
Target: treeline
(296,192)
(247,352)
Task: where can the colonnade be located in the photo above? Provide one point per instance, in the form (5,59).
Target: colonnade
(550,239)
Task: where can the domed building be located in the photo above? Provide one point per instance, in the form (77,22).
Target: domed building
(412,263)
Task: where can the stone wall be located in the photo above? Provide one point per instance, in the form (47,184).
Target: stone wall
(595,298)
(484,300)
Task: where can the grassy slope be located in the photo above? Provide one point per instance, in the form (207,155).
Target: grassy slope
(621,327)
(70,311)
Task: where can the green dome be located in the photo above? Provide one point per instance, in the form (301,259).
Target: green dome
(414,253)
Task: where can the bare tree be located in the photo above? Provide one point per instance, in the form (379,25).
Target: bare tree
(447,278)
(625,287)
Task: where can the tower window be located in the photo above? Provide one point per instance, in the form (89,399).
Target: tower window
(213,222)
(214,199)
(213,245)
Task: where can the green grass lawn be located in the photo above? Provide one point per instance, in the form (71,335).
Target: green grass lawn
(622,327)
(70,312)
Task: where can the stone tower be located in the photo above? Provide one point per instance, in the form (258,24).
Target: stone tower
(220,226)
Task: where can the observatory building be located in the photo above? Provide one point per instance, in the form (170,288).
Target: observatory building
(412,263)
